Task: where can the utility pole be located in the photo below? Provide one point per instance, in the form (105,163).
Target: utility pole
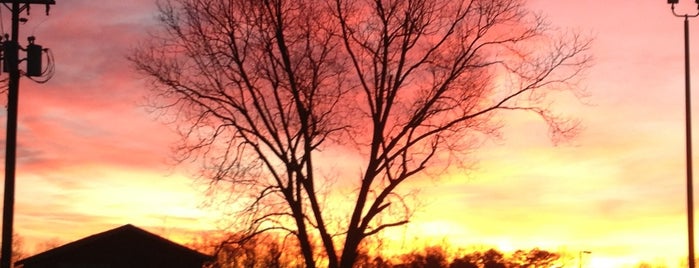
(11,66)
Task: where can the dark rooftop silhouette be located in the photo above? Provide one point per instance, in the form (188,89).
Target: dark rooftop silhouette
(125,246)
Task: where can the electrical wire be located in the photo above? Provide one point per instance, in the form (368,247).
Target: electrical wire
(37,26)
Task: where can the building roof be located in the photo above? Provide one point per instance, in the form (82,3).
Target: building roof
(122,246)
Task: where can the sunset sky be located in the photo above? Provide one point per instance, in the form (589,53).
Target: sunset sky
(92,157)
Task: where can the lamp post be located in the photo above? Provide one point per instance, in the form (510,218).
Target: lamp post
(688,130)
(580,257)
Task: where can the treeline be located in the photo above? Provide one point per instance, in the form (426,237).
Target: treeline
(266,252)
(436,257)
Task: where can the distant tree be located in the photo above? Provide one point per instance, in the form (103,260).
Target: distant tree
(649,265)
(435,257)
(379,262)
(18,250)
(471,260)
(264,251)
(430,257)
(260,88)
(463,263)
(644,265)
(487,259)
(368,260)
(534,258)
(494,259)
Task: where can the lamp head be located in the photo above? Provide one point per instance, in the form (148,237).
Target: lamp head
(677,1)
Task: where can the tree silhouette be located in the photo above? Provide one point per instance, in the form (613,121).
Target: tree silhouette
(432,257)
(259,88)
(493,259)
(534,258)
(18,248)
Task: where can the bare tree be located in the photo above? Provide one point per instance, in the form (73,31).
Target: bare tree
(259,88)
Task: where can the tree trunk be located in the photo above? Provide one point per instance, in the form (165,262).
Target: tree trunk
(349,253)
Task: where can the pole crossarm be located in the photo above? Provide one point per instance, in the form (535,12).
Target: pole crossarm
(25,4)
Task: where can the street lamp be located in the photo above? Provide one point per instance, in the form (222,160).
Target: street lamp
(580,255)
(688,130)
